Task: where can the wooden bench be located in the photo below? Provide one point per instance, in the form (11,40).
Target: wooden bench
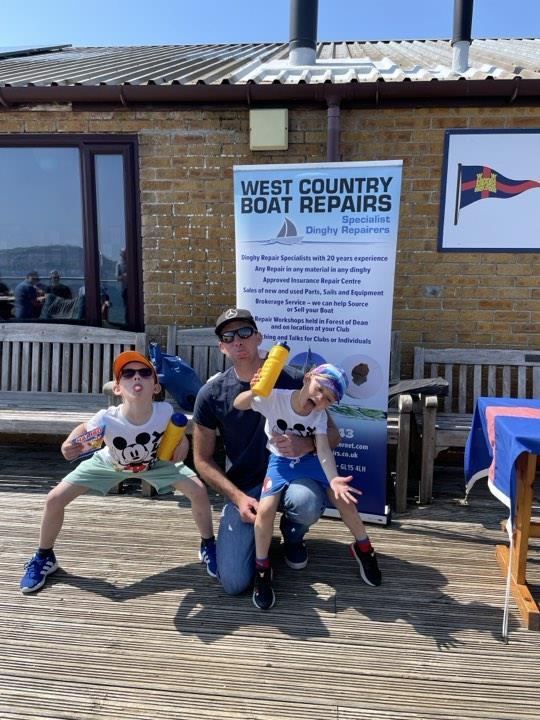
(199,348)
(52,375)
(471,373)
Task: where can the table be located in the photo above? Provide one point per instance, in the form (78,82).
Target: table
(503,445)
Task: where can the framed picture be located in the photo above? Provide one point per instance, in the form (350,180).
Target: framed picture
(490,191)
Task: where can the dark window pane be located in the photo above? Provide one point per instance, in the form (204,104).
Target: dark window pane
(111,226)
(41,231)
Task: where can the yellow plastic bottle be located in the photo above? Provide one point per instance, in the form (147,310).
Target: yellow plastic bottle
(272,366)
(174,432)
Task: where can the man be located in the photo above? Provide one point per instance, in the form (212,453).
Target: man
(28,299)
(55,287)
(242,433)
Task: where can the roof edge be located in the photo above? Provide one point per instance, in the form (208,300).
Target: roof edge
(515,90)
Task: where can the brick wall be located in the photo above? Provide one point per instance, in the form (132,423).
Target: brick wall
(186,160)
(447,299)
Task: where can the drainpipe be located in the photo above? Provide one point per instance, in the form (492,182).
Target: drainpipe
(461,38)
(333,130)
(303,32)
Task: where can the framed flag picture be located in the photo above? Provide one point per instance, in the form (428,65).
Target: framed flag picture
(490,191)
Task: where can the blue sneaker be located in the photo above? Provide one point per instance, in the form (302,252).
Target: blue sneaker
(207,554)
(296,554)
(37,569)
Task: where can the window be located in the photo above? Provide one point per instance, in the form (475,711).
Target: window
(69,230)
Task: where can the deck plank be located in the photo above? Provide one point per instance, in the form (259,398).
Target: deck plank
(131,625)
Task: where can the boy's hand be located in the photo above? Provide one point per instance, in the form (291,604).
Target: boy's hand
(71,451)
(181,451)
(255,378)
(342,490)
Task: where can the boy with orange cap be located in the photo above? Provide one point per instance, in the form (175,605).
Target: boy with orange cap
(131,433)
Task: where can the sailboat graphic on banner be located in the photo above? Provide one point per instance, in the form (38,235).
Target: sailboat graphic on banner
(288,235)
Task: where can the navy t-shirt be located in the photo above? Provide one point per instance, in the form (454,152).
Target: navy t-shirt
(242,431)
(25,298)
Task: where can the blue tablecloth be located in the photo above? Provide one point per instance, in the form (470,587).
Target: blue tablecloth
(513,436)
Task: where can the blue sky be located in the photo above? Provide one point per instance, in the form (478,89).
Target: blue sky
(164,22)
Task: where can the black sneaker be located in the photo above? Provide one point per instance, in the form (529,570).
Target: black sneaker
(296,554)
(263,594)
(367,565)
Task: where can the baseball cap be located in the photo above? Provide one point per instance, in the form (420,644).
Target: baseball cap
(333,378)
(127,357)
(232,314)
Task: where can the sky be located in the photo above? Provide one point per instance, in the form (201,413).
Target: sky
(179,22)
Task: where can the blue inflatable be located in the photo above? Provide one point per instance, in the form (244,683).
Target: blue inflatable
(177,377)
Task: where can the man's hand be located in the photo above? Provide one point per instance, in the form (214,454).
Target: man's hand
(247,507)
(291,445)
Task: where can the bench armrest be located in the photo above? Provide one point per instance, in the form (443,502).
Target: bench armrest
(405,403)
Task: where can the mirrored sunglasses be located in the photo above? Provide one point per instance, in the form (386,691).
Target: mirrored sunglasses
(141,372)
(244,333)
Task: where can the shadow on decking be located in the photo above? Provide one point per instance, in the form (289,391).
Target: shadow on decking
(412,592)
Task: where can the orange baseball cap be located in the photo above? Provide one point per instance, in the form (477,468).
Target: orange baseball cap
(130,356)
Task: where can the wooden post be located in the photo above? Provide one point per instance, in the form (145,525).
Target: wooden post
(525,476)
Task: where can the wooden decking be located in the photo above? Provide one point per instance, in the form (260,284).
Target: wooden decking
(132,627)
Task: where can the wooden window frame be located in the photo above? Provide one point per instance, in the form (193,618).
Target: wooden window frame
(90,145)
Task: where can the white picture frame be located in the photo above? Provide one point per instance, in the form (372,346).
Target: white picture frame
(490,191)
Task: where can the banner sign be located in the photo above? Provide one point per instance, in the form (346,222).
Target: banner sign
(315,260)
(490,195)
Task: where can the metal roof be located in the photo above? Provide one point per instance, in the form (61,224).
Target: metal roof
(338,63)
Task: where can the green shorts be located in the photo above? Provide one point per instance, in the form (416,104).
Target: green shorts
(99,477)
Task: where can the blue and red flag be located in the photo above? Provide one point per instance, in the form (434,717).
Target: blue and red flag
(478,182)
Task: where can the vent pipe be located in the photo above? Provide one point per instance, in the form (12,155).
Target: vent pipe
(461,38)
(303,32)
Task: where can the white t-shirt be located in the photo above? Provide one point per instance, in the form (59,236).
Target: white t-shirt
(281,418)
(128,447)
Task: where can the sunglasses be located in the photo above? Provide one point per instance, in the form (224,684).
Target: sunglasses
(131,372)
(244,333)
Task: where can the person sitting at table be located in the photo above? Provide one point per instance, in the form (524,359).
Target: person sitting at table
(55,287)
(28,299)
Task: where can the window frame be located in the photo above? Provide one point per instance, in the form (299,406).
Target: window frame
(90,145)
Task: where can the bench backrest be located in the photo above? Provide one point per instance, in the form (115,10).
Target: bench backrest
(473,373)
(199,348)
(54,358)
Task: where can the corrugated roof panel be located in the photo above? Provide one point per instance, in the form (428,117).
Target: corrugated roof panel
(266,63)
(68,69)
(216,69)
(160,67)
(494,53)
(27,50)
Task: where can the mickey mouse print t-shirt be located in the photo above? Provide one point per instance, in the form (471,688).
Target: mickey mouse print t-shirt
(128,447)
(281,418)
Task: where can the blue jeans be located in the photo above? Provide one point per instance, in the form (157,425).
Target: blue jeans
(302,505)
